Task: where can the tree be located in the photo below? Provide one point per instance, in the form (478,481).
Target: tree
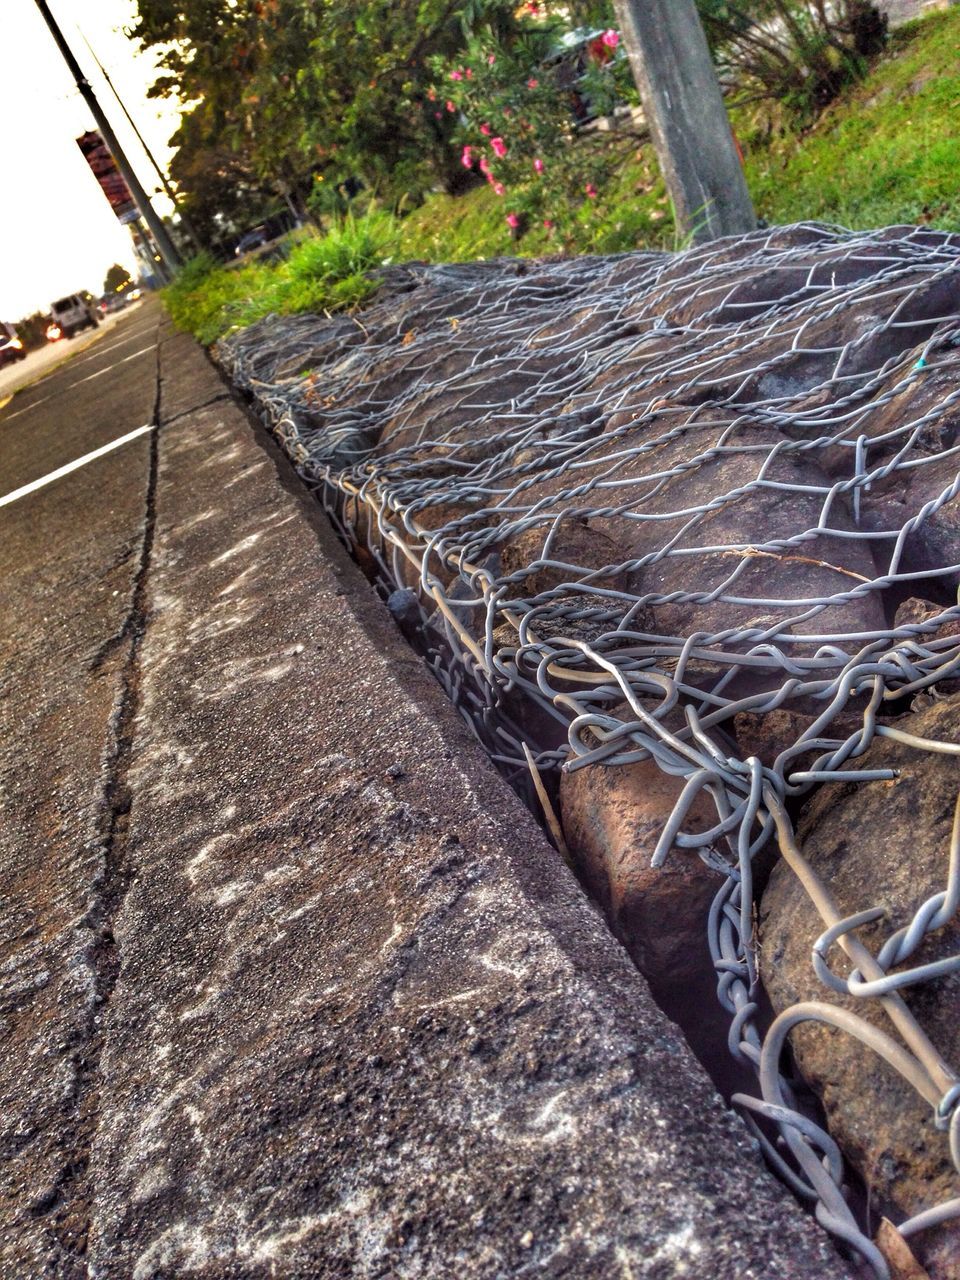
(116,278)
(293,88)
(218,188)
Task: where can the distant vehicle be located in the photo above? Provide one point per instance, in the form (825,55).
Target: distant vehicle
(71,314)
(11,348)
(54,332)
(111,302)
(252,239)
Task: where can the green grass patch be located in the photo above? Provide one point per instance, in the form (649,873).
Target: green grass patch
(887,152)
(322,273)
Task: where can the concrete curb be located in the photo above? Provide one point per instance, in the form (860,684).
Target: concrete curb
(365,1023)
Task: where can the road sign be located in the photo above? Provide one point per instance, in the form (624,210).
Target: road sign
(104,168)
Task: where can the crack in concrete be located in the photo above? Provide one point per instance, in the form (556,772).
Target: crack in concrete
(67,1200)
(221,395)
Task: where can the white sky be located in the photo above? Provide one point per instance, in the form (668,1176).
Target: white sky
(57,232)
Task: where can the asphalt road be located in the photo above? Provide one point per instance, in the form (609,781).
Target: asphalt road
(48,358)
(70,555)
(103,390)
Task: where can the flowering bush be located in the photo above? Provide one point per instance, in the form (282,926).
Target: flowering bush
(518,106)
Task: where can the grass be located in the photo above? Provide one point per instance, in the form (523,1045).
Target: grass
(324,274)
(886,152)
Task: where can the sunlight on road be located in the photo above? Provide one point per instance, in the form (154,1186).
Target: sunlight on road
(39,363)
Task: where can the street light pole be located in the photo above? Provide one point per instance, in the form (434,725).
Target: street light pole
(171,194)
(166,246)
(682,102)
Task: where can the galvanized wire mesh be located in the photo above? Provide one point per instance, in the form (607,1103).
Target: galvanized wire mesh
(621,500)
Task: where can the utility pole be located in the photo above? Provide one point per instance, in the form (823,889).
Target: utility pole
(171,194)
(166,246)
(681,97)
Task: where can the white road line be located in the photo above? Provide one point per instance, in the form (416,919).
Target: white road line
(89,378)
(95,349)
(73,466)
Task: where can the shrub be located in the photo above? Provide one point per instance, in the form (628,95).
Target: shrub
(351,247)
(800,53)
(517,105)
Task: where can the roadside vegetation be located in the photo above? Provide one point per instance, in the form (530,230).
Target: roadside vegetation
(881,149)
(322,273)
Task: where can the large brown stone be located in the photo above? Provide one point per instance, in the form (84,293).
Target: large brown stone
(578,548)
(918,611)
(878,844)
(612,818)
(768,734)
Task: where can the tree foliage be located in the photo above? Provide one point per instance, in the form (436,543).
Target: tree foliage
(300,101)
(286,90)
(115,278)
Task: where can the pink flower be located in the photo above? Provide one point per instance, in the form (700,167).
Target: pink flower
(532,83)
(438,115)
(513,221)
(538,165)
(467,158)
(486,130)
(456,75)
(591,190)
(468,73)
(450,106)
(610,39)
(485,166)
(432,95)
(533,8)
(499,188)
(499,147)
(547,223)
(490,59)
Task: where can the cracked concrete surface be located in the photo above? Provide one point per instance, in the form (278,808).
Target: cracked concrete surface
(293,986)
(72,556)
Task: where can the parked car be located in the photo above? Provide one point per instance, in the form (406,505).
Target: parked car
(252,240)
(11,348)
(73,313)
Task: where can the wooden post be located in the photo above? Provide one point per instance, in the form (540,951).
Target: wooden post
(681,98)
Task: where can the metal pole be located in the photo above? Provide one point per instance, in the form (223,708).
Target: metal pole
(165,245)
(171,194)
(681,97)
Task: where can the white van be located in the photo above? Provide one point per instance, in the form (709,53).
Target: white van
(72,314)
